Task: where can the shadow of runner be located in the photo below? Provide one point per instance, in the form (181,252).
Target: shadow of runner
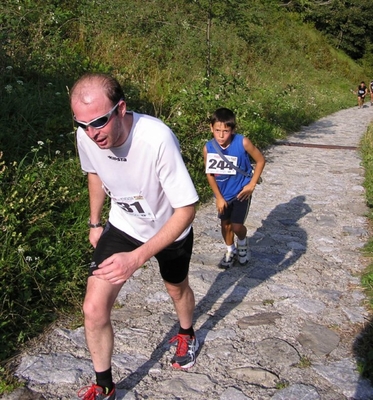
(275,246)
(363,351)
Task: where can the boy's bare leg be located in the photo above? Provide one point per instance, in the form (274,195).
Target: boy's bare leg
(239,230)
(227,232)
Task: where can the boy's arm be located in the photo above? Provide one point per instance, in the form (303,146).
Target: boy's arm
(259,159)
(220,201)
(257,156)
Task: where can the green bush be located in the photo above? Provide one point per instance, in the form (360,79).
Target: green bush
(44,244)
(364,343)
(367,154)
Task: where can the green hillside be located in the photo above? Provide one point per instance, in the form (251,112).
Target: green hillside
(178,62)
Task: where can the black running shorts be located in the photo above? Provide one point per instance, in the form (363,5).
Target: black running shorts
(173,260)
(236,211)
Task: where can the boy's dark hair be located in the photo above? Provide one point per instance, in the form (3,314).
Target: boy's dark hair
(224,115)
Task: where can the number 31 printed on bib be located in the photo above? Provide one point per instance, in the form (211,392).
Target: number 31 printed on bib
(136,205)
(216,165)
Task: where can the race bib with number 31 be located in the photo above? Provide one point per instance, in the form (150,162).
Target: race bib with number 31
(136,206)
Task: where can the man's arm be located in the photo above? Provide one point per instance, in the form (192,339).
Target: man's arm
(96,202)
(174,227)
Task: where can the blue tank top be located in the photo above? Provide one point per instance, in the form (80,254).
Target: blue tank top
(231,185)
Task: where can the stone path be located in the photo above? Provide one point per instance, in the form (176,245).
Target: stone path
(286,327)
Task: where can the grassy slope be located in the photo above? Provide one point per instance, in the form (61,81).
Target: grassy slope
(364,345)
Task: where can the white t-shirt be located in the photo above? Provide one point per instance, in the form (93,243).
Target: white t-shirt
(146,177)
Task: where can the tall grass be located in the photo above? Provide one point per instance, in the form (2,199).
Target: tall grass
(367,155)
(42,215)
(364,344)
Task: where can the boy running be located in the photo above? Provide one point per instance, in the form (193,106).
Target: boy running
(232,180)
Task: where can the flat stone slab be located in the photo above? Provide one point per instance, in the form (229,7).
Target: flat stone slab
(54,368)
(344,373)
(274,351)
(258,319)
(297,392)
(255,376)
(318,338)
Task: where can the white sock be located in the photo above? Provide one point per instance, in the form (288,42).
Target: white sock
(231,248)
(241,242)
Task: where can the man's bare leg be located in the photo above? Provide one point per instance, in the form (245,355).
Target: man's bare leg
(99,300)
(183,298)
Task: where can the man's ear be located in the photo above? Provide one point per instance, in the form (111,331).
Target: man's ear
(122,108)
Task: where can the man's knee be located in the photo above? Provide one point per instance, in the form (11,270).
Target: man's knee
(96,309)
(177,290)
(95,314)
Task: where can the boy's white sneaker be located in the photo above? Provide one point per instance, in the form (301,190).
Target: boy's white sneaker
(243,254)
(228,260)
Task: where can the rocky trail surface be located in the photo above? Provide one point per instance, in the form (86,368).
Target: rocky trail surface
(285,327)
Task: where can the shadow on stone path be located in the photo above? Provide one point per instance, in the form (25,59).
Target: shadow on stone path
(238,281)
(272,260)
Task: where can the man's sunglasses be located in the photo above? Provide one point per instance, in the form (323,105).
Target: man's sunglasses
(98,122)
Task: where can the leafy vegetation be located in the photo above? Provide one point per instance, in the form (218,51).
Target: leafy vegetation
(42,245)
(178,62)
(347,24)
(364,343)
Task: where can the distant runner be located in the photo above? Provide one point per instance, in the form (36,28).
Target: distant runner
(362,91)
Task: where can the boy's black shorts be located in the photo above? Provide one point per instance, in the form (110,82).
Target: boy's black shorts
(236,211)
(173,260)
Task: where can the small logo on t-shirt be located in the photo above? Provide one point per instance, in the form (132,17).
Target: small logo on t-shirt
(92,265)
(117,158)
